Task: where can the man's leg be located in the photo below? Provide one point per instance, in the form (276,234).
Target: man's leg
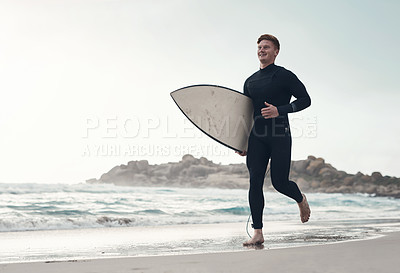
(257,160)
(280,168)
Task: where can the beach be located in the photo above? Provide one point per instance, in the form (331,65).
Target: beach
(105,228)
(371,255)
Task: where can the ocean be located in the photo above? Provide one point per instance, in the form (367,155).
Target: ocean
(75,221)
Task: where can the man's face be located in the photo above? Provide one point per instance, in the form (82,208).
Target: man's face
(267,52)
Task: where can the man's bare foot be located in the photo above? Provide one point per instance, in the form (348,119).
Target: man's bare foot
(257,238)
(256,247)
(304,210)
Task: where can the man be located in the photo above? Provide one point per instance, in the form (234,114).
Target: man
(271,89)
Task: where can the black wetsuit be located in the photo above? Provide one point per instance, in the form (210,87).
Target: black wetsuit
(270,138)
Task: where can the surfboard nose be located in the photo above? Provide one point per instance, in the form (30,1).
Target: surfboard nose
(221,113)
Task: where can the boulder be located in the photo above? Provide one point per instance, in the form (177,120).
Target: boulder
(143,165)
(349,180)
(314,166)
(92,181)
(327,172)
(300,166)
(377,175)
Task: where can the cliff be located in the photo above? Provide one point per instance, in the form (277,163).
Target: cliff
(311,174)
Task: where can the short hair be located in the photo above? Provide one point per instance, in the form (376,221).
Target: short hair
(271,38)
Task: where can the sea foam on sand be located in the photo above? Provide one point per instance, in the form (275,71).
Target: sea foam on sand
(78,244)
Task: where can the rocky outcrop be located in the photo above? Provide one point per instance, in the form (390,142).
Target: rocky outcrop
(311,174)
(314,175)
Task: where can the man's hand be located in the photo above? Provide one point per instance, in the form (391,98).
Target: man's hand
(270,111)
(243,153)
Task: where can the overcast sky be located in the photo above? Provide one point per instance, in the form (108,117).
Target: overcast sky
(85,84)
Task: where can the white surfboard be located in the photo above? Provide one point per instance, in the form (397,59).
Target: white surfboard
(221,113)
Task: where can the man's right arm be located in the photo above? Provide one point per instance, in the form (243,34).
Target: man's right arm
(246,90)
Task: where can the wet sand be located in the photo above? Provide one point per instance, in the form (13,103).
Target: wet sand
(370,255)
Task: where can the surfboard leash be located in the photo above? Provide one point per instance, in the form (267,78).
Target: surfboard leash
(247,226)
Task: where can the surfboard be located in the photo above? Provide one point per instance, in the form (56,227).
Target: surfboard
(221,113)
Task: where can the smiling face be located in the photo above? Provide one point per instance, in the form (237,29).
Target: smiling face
(267,53)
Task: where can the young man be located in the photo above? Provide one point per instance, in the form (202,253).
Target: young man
(271,89)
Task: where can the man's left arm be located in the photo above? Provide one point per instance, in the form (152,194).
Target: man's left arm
(298,90)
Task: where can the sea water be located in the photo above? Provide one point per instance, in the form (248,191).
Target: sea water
(72,221)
